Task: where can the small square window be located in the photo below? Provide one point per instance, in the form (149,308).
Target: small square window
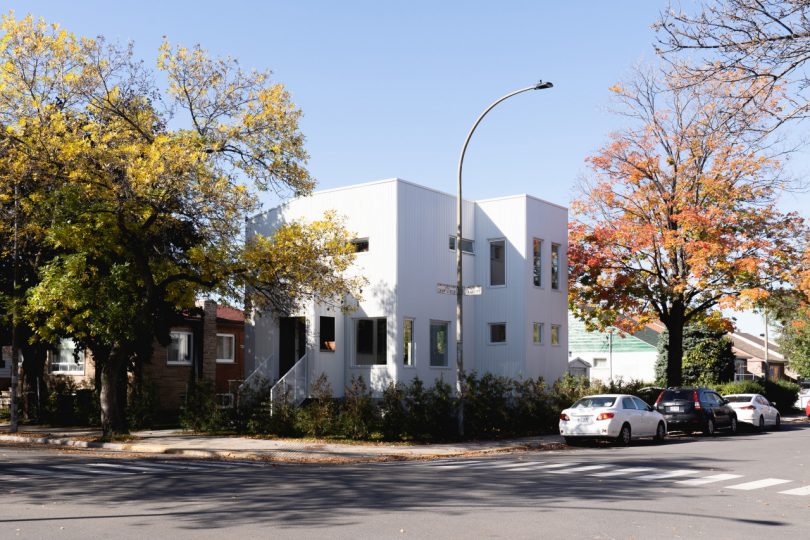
(360,245)
(599,362)
(497,333)
(180,349)
(226,348)
(467,246)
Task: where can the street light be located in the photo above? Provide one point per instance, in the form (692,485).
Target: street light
(459,285)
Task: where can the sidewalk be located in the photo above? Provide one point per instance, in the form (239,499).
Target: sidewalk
(179,443)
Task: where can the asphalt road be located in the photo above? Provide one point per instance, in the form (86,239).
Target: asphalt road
(745,486)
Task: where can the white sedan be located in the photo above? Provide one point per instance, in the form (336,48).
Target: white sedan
(754,409)
(618,417)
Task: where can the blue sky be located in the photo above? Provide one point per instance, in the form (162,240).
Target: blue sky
(391,88)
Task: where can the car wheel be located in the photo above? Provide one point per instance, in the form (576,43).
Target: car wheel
(761,423)
(660,432)
(708,428)
(624,436)
(778,423)
(733,426)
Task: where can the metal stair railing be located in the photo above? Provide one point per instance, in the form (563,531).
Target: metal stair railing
(259,375)
(294,385)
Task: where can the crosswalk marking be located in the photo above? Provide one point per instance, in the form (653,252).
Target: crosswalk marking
(802,491)
(622,472)
(709,479)
(555,465)
(578,469)
(766,482)
(668,474)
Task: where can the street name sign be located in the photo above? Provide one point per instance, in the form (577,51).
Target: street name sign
(470,290)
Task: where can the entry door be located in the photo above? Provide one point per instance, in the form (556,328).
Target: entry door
(292,342)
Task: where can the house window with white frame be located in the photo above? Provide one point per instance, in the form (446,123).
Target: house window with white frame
(371,341)
(180,349)
(407,342)
(537,262)
(66,359)
(555,334)
(599,362)
(537,333)
(438,343)
(555,266)
(467,246)
(360,245)
(497,333)
(226,348)
(497,263)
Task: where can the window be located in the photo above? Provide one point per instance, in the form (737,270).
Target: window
(555,266)
(438,344)
(641,404)
(371,341)
(627,403)
(180,348)
(599,362)
(537,333)
(226,348)
(537,262)
(327,333)
(67,359)
(555,334)
(407,342)
(360,245)
(497,263)
(497,333)
(467,246)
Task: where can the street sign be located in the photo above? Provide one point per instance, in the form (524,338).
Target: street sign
(469,290)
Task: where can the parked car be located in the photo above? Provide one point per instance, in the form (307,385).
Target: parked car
(690,409)
(616,417)
(754,409)
(807,410)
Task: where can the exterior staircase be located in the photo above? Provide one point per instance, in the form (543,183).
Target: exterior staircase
(294,385)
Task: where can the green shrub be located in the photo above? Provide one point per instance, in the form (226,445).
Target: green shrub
(533,409)
(568,388)
(487,406)
(143,406)
(200,412)
(392,412)
(442,423)
(417,411)
(358,414)
(69,404)
(317,417)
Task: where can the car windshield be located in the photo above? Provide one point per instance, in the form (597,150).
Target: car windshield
(594,401)
(737,399)
(670,395)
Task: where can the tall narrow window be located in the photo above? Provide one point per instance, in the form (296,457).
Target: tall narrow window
(327,333)
(438,344)
(555,334)
(370,341)
(497,333)
(407,342)
(537,262)
(497,262)
(555,266)
(537,333)
(226,348)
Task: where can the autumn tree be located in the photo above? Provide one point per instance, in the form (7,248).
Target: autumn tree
(148,191)
(790,309)
(760,46)
(678,217)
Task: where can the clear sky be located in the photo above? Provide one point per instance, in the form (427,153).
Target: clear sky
(390,89)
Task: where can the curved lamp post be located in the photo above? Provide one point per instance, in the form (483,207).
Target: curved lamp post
(459,285)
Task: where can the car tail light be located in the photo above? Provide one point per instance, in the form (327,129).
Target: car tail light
(697,401)
(564,417)
(747,407)
(605,416)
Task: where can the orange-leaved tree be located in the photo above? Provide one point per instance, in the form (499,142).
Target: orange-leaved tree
(678,218)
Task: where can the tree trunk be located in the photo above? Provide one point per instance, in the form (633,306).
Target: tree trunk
(113,417)
(675,323)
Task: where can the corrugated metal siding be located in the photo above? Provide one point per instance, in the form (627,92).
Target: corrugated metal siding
(581,341)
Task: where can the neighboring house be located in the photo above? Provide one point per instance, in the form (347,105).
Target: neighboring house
(5,366)
(214,343)
(614,354)
(750,352)
(579,368)
(514,247)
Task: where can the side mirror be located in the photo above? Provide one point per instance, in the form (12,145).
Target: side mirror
(773,404)
(650,408)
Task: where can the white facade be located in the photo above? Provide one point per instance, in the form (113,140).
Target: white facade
(408,228)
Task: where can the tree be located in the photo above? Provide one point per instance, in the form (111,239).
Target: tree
(678,218)
(790,308)
(759,46)
(145,217)
(708,358)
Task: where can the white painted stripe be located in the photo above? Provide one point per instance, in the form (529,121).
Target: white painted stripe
(669,474)
(802,491)
(555,465)
(709,479)
(457,465)
(578,469)
(622,472)
(767,482)
(518,465)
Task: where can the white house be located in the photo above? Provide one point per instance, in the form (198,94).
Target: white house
(514,247)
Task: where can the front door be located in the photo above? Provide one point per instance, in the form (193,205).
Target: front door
(292,342)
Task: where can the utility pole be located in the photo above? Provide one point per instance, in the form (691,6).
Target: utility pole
(15,361)
(767,364)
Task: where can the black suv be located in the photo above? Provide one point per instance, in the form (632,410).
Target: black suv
(691,409)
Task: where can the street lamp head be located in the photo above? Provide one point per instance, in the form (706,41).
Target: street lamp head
(543,85)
